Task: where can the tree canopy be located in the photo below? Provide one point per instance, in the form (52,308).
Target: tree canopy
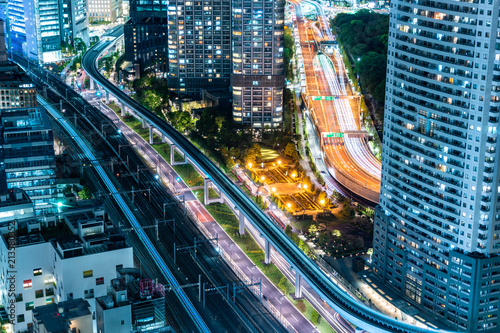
(364,36)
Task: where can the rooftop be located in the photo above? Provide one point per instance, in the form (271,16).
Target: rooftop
(15,196)
(57,317)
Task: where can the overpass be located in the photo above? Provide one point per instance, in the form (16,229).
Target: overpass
(357,313)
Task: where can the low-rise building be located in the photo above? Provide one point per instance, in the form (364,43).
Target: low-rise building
(75,258)
(69,316)
(135,304)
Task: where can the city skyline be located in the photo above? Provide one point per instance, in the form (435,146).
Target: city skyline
(434,239)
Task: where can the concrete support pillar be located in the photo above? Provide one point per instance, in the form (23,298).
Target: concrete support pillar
(163,138)
(172,156)
(123,110)
(92,83)
(107,97)
(150,134)
(242,223)
(298,285)
(144,123)
(206,192)
(267,252)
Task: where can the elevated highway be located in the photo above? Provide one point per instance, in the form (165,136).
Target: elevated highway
(358,314)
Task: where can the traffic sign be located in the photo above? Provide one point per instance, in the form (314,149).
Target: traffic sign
(334,135)
(324,98)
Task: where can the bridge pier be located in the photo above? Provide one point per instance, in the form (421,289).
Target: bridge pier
(163,138)
(144,122)
(107,96)
(207,186)
(92,83)
(241,219)
(298,286)
(172,156)
(123,110)
(267,252)
(150,134)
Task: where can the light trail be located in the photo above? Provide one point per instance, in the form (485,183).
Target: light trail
(186,302)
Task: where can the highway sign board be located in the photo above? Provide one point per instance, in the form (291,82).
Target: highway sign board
(324,98)
(334,135)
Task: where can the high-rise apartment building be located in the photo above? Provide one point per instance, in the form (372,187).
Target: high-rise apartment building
(199,45)
(104,10)
(35,29)
(437,229)
(258,73)
(146,36)
(74,21)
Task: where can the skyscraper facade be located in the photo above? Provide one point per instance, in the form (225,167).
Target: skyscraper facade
(74,21)
(437,228)
(35,29)
(146,34)
(199,45)
(258,71)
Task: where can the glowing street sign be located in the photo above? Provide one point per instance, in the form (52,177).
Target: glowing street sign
(334,135)
(324,98)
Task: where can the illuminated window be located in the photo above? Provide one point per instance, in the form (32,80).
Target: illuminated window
(27,284)
(37,271)
(87,274)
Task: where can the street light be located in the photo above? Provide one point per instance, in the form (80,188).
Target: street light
(279,162)
(294,174)
(273,189)
(304,186)
(322,202)
(250,165)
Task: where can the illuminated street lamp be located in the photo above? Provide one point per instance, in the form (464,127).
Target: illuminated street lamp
(279,162)
(304,186)
(289,205)
(294,174)
(322,202)
(250,165)
(273,189)
(262,178)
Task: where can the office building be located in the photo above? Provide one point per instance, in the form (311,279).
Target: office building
(69,316)
(199,46)
(135,303)
(258,73)
(27,157)
(437,228)
(146,37)
(77,258)
(104,10)
(74,21)
(35,29)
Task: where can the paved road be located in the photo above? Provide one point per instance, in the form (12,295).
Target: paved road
(271,293)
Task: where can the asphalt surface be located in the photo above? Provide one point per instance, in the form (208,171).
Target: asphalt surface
(218,315)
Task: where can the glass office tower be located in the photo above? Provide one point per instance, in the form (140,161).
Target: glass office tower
(437,229)
(145,35)
(258,75)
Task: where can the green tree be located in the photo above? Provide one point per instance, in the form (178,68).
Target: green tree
(181,120)
(152,100)
(313,229)
(288,230)
(84,193)
(336,233)
(290,149)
